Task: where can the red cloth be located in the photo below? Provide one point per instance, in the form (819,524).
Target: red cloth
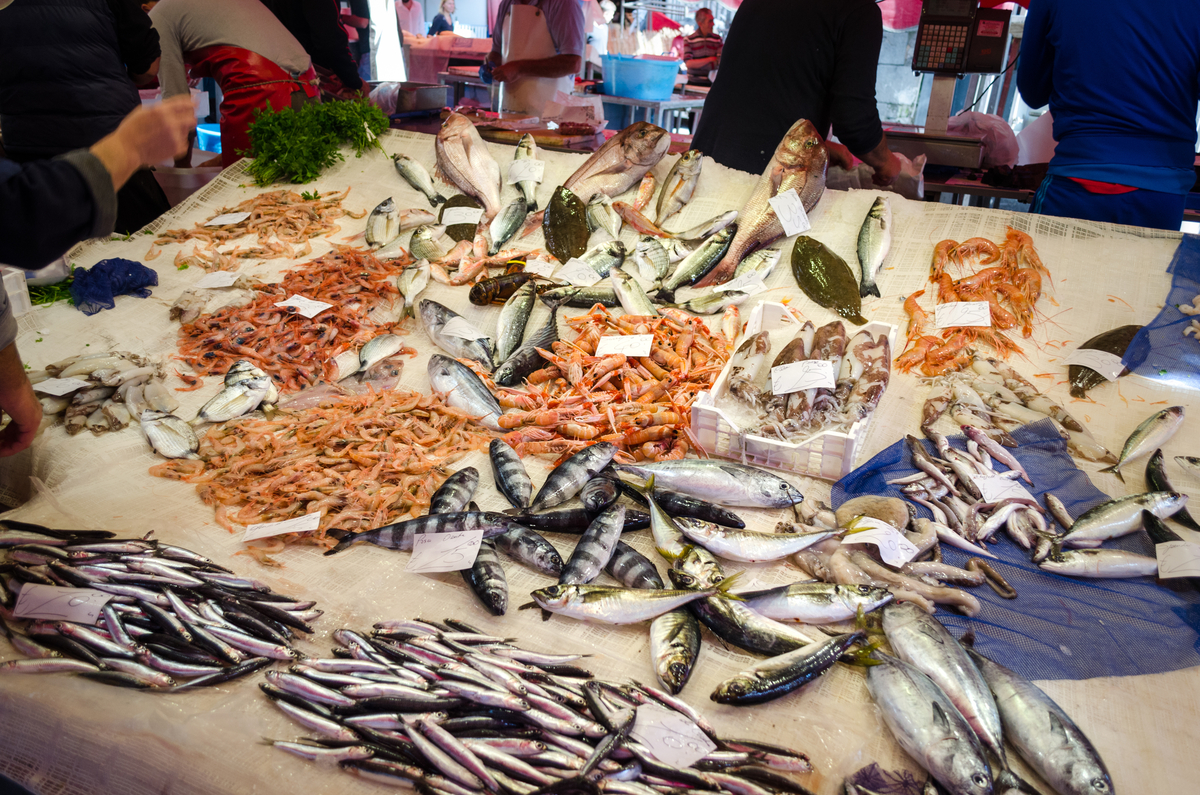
(248,81)
(1104,188)
(905,14)
(659,21)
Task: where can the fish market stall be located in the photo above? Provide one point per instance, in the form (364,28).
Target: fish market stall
(66,733)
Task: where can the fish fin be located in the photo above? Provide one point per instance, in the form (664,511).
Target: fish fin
(528,606)
(864,658)
(939,716)
(347,542)
(724,585)
(968,638)
(864,291)
(1057,729)
(665,296)
(1114,469)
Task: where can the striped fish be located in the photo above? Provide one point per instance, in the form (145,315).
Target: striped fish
(511,478)
(595,547)
(456,491)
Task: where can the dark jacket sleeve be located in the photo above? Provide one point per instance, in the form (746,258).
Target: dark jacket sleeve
(136,37)
(330,47)
(1035,72)
(854,114)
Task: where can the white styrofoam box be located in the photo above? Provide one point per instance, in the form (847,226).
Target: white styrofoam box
(18,291)
(828,455)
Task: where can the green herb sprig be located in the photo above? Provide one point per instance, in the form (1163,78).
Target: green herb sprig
(296,146)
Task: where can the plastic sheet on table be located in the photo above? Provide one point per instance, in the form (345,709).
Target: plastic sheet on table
(1160,350)
(1058,627)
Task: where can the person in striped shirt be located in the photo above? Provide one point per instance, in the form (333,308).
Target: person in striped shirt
(702,49)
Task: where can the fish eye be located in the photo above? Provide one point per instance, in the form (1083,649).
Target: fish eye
(1100,785)
(809,144)
(554,590)
(979,780)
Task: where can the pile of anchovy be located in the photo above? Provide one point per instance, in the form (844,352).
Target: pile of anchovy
(446,709)
(174,620)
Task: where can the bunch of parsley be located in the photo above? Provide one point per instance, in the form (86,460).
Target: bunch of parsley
(296,146)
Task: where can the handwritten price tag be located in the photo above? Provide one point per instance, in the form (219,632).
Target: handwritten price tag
(963,313)
(1175,559)
(527,169)
(798,376)
(539,267)
(52,603)
(894,548)
(61,386)
(434,552)
(227,219)
(672,739)
(749,282)
(219,279)
(459,327)
(628,344)
(790,210)
(997,487)
(301,524)
(305,306)
(461,215)
(1106,364)
(578,272)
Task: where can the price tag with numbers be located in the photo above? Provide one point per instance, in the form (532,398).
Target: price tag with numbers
(672,738)
(539,267)
(1177,559)
(750,283)
(527,169)
(218,279)
(434,552)
(227,219)
(894,548)
(963,313)
(300,524)
(798,376)
(1106,364)
(52,603)
(790,210)
(628,344)
(305,306)
(997,487)
(461,215)
(459,327)
(578,272)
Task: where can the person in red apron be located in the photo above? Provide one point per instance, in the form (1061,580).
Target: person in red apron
(537,49)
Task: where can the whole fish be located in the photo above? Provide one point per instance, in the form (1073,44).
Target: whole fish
(430,242)
(1100,563)
(677,246)
(632,569)
(1120,517)
(453,334)
(621,162)
(674,648)
(527,150)
(609,605)
(601,215)
(463,390)
(383,224)
(1157,480)
(778,676)
(400,535)
(826,279)
(506,224)
(583,297)
(1161,534)
(463,160)
(511,478)
(668,538)
(676,504)
(565,225)
(233,401)
(599,492)
(527,546)
(1045,736)
(748,546)
(605,256)
(486,579)
(514,316)
(1115,341)
(633,298)
(416,175)
(525,359)
(569,477)
(721,482)
(799,162)
(761,262)
(921,641)
(455,492)
(411,283)
(874,242)
(379,348)
(595,547)
(1150,435)
(815,602)
(575,520)
(928,727)
(711,303)
(693,267)
(651,259)
(680,184)
(1189,462)
(170,436)
(645,192)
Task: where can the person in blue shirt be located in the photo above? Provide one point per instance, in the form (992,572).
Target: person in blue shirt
(444,19)
(1122,80)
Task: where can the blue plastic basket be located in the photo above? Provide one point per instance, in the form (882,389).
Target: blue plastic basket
(208,138)
(639,78)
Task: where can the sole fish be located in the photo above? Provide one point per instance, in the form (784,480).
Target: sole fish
(826,279)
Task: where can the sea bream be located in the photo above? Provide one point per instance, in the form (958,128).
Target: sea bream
(463,160)
(679,185)
(527,150)
(453,334)
(621,162)
(463,390)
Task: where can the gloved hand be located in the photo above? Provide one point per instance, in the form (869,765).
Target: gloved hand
(485,71)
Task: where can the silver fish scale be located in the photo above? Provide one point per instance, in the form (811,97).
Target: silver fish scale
(511,478)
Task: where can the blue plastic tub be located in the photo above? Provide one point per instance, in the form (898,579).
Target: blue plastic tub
(208,138)
(639,78)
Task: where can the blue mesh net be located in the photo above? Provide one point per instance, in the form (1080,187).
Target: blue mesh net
(1058,627)
(97,287)
(1160,351)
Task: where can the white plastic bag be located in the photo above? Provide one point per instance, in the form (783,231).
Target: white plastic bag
(999,140)
(910,183)
(385,96)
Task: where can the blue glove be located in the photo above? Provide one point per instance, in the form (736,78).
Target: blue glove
(485,71)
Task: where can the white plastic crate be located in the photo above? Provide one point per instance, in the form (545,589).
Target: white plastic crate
(828,455)
(18,291)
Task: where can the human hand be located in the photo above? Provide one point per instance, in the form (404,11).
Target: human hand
(506,71)
(158,132)
(19,402)
(887,174)
(839,155)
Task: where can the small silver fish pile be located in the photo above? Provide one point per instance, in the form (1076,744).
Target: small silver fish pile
(120,386)
(173,619)
(446,708)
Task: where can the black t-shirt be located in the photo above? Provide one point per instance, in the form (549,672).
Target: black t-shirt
(785,60)
(317,25)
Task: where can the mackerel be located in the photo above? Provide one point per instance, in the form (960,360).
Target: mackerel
(455,492)
(778,676)
(1157,480)
(595,548)
(1100,563)
(696,265)
(511,478)
(815,602)
(748,546)
(486,578)
(1151,434)
(615,605)
(513,318)
(527,358)
(674,648)
(720,482)
(569,477)
(631,568)
(1120,517)
(527,546)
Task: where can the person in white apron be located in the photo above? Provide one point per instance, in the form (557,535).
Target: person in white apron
(537,51)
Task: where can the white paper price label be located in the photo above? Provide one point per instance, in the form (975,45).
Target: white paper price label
(1175,559)
(628,344)
(218,279)
(527,169)
(461,215)
(798,376)
(749,282)
(963,313)
(997,487)
(52,603)
(434,552)
(894,548)
(578,272)
(61,386)
(227,219)
(459,327)
(1106,364)
(539,267)
(790,210)
(305,306)
(301,524)
(672,739)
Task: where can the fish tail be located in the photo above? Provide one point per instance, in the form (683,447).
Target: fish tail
(349,540)
(1115,469)
(865,290)
(532,207)
(665,296)
(437,199)
(864,657)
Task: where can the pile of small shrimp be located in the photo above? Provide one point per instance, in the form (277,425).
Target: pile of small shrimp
(288,217)
(294,350)
(641,404)
(361,462)
(1010,284)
